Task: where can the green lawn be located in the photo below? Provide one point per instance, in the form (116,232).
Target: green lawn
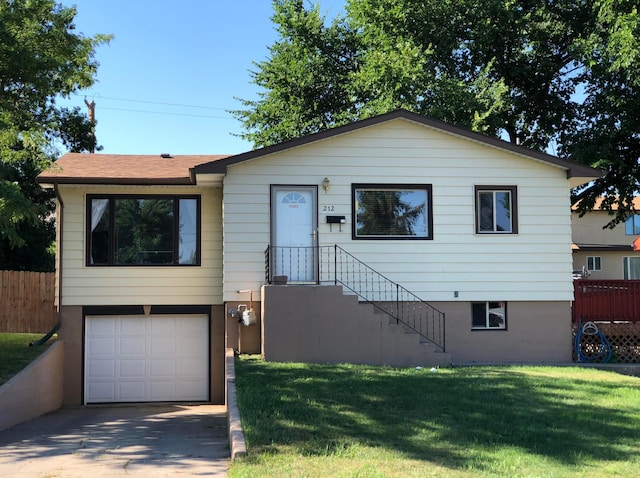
(15,353)
(305,420)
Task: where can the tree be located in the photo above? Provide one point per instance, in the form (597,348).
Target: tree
(559,75)
(41,59)
(305,80)
(606,132)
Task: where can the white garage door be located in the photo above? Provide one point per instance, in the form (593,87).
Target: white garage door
(155,358)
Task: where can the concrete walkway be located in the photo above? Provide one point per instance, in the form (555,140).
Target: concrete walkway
(111,441)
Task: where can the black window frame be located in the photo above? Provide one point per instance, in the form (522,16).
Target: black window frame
(487,305)
(513,190)
(176,227)
(428,188)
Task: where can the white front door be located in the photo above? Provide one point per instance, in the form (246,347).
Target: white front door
(294,233)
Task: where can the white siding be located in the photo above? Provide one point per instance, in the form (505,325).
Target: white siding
(533,265)
(177,285)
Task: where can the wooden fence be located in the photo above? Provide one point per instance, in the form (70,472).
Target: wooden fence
(606,300)
(27,302)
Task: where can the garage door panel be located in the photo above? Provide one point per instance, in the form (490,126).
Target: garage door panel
(103,327)
(162,391)
(132,368)
(102,369)
(192,346)
(135,326)
(188,390)
(163,345)
(163,326)
(146,358)
(103,392)
(188,368)
(131,391)
(133,346)
(102,346)
(163,368)
(189,327)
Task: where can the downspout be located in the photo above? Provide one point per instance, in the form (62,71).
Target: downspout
(59,247)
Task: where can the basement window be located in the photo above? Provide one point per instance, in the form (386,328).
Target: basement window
(488,315)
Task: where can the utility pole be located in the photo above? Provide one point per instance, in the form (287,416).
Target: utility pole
(92,117)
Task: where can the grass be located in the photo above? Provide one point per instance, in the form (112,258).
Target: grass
(355,421)
(15,353)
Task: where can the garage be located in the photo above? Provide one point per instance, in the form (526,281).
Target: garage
(155,358)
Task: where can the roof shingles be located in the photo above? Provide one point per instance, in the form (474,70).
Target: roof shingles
(81,168)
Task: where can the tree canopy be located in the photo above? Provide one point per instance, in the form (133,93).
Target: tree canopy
(560,76)
(42,59)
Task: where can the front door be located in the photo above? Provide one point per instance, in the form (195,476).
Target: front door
(294,226)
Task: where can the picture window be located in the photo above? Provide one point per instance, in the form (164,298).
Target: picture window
(143,230)
(392,211)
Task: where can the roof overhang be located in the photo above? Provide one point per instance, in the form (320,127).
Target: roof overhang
(602,247)
(130,170)
(48,182)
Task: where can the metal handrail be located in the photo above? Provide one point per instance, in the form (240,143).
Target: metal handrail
(333,264)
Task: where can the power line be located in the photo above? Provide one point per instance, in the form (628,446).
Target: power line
(154,102)
(163,113)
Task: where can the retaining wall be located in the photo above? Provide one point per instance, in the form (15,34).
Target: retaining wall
(34,391)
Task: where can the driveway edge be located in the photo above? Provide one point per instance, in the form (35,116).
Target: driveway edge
(237,442)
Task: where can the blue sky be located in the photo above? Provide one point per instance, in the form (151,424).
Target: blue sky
(173,69)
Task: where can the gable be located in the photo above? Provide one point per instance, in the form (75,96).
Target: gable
(577,173)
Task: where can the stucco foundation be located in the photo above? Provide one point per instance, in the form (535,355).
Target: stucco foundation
(537,332)
(244,339)
(320,324)
(71,332)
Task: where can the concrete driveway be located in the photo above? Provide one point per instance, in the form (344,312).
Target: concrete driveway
(107,441)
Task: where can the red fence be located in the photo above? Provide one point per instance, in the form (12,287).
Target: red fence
(606,300)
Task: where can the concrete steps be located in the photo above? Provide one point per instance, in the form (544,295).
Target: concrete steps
(405,346)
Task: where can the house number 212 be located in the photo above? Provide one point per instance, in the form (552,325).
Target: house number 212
(328,208)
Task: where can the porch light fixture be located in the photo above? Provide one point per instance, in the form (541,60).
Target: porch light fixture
(325,184)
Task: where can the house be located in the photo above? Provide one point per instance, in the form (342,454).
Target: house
(606,253)
(396,240)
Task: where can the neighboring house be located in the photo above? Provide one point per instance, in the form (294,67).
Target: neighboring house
(605,253)
(160,257)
